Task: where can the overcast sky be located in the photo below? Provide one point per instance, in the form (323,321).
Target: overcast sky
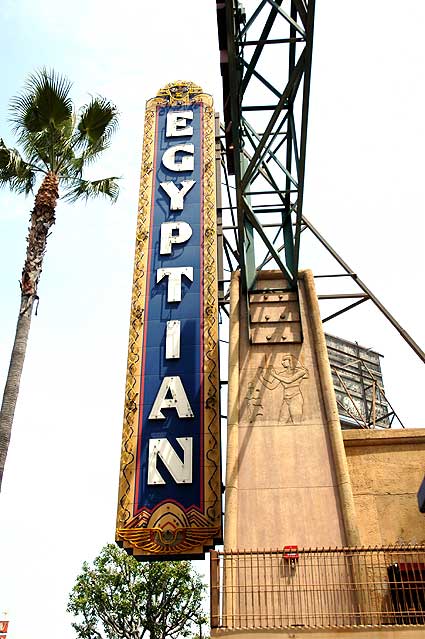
(364,191)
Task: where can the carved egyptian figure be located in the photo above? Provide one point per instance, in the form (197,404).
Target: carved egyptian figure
(290,377)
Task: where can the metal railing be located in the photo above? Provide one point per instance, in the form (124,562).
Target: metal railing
(321,588)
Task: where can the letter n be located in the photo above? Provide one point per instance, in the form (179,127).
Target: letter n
(181,471)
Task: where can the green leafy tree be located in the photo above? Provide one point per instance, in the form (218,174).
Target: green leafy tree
(119,598)
(56,145)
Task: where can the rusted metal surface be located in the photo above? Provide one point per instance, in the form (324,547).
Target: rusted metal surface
(359,388)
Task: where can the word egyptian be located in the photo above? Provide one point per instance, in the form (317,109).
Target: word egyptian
(171,393)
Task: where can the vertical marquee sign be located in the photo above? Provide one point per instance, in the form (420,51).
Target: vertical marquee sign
(169,503)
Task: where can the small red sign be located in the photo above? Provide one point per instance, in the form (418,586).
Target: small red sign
(290,552)
(3,626)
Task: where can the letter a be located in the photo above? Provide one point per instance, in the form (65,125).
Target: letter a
(178,399)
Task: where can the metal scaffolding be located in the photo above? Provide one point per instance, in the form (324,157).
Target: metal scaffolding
(265,118)
(265,60)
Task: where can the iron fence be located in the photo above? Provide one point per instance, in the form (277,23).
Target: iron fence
(318,588)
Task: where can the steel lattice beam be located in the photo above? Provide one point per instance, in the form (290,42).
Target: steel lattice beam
(266,100)
(271,147)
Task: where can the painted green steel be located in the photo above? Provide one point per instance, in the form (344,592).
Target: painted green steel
(278,153)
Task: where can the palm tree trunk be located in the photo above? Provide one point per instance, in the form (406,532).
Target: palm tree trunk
(42,219)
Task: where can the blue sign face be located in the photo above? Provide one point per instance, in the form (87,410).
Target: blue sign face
(169,453)
(169,503)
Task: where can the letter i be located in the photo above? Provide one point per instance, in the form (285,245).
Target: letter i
(172,340)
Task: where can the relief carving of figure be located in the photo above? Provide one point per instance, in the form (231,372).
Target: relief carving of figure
(253,400)
(290,378)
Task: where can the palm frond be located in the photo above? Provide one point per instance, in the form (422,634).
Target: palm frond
(43,104)
(42,147)
(75,167)
(85,189)
(89,155)
(98,122)
(52,140)
(14,171)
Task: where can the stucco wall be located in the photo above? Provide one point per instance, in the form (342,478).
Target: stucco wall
(281,471)
(386,469)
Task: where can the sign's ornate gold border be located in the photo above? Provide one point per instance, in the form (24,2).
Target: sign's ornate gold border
(134,360)
(156,533)
(211,371)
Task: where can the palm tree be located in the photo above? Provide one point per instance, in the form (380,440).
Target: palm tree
(57,144)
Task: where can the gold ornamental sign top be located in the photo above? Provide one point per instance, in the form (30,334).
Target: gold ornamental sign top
(179,92)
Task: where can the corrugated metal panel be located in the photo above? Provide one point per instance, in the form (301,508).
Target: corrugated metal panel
(359,388)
